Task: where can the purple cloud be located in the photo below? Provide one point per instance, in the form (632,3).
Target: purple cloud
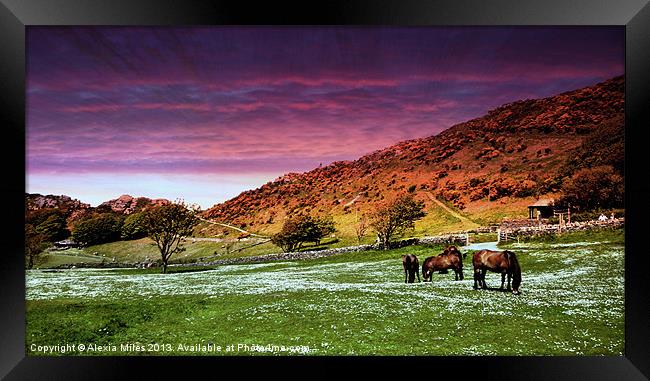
(273,100)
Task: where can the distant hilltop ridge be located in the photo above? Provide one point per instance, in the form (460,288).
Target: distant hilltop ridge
(37,201)
(518,150)
(125,204)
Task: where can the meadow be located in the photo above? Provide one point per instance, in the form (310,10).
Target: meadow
(571,303)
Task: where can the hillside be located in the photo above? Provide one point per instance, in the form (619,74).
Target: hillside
(486,168)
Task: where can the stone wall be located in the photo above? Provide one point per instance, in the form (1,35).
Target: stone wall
(457,239)
(542,229)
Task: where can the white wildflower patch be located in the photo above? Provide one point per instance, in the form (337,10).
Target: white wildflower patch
(563,283)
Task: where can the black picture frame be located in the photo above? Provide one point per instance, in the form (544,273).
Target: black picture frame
(16,14)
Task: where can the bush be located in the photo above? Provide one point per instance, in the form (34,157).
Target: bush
(103,228)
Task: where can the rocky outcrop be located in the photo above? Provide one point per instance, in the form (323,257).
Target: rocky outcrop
(126,204)
(37,201)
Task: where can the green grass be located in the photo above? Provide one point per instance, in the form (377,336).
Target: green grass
(137,251)
(437,221)
(356,303)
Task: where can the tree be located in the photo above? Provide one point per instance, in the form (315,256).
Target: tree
(318,228)
(134,226)
(393,219)
(167,225)
(301,229)
(54,228)
(593,188)
(102,228)
(361,228)
(35,243)
(51,222)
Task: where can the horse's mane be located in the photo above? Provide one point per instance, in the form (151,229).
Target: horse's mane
(516,269)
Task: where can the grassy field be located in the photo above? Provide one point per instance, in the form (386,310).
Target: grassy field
(437,221)
(349,304)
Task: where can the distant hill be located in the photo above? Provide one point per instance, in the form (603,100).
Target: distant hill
(37,201)
(126,204)
(37,206)
(516,152)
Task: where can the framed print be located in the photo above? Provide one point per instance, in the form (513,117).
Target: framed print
(382,185)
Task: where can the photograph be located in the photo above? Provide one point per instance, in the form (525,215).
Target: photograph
(325,190)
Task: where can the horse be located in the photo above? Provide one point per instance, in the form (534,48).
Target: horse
(450,258)
(504,262)
(410,263)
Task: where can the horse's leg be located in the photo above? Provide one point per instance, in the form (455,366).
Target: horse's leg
(417,271)
(503,280)
(476,275)
(455,274)
(483,271)
(405,273)
(509,277)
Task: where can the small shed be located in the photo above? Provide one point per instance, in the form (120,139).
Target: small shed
(544,206)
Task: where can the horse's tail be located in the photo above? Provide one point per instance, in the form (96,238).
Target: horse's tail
(515,269)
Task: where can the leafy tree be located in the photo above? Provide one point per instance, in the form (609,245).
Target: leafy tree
(593,188)
(301,229)
(289,238)
(102,228)
(51,222)
(318,228)
(393,219)
(134,226)
(167,225)
(54,228)
(35,243)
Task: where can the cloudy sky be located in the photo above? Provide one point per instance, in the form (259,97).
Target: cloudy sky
(205,113)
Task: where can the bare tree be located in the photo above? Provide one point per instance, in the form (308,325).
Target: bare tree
(393,219)
(167,225)
(361,228)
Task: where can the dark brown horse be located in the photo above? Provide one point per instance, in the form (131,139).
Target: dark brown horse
(504,262)
(410,263)
(451,258)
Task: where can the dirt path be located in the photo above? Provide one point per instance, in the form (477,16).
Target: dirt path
(232,227)
(352,201)
(471,224)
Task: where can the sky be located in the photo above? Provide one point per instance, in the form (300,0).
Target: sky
(204,113)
